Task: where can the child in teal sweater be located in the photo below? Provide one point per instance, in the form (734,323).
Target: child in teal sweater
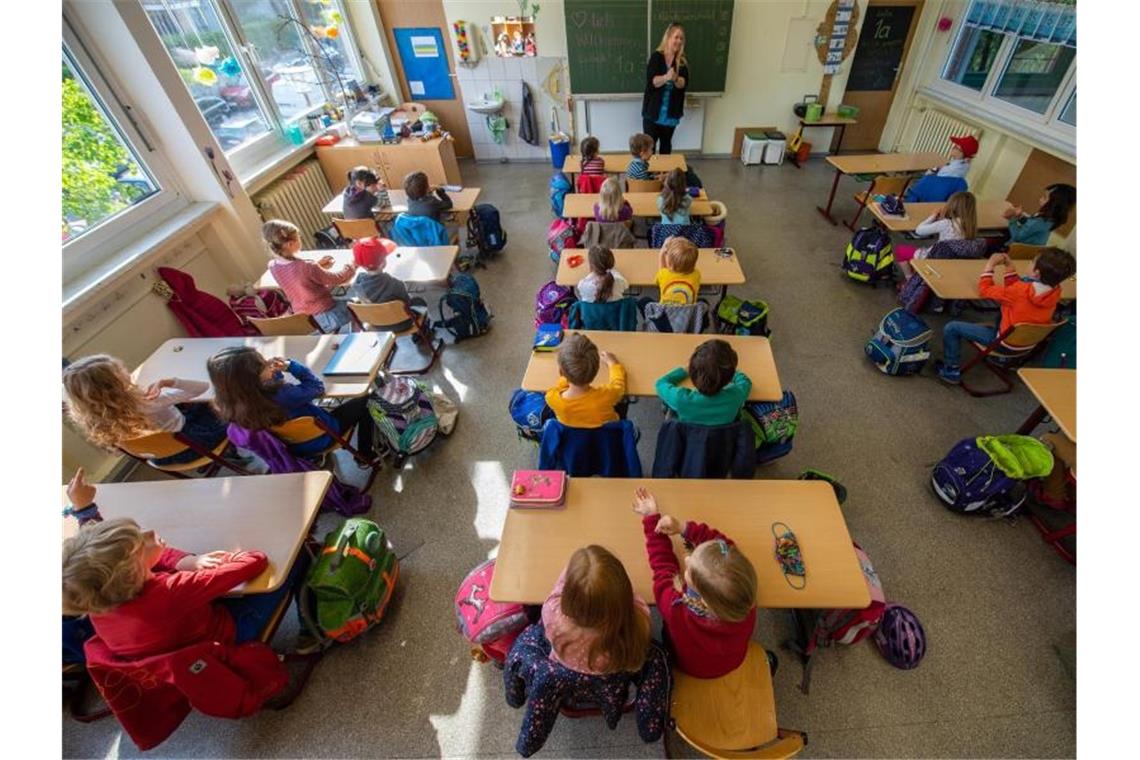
(720,389)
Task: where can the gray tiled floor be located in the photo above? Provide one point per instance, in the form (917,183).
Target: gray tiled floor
(997,604)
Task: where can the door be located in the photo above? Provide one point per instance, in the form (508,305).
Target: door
(875,68)
(418,36)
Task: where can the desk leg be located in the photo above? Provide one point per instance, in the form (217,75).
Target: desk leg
(716,307)
(830,199)
(859,211)
(839,142)
(1032,421)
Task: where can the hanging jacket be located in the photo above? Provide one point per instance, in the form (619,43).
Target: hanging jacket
(530,677)
(934,189)
(686,450)
(609,450)
(201,314)
(418,231)
(607,234)
(619,315)
(676,317)
(528,124)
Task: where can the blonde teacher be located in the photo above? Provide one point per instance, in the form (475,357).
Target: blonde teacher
(666,76)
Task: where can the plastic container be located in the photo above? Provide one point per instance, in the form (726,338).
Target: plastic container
(848,112)
(776,147)
(813,113)
(752,148)
(559,150)
(295,135)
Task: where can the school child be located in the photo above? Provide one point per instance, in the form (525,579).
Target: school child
(1056,203)
(1030,299)
(573,400)
(641,148)
(603,283)
(374,285)
(962,150)
(721,389)
(594,621)
(957,220)
(250,391)
(423,200)
(674,201)
(360,194)
(709,609)
(592,163)
(109,409)
(612,206)
(305,283)
(678,278)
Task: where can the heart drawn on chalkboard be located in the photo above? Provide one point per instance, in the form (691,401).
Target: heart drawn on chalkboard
(579,18)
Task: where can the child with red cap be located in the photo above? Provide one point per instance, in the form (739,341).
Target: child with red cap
(373,284)
(964,148)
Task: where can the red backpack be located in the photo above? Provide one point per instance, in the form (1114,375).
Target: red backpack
(490,626)
(261,303)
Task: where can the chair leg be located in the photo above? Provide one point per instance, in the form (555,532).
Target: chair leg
(1053,537)
(998,372)
(434,347)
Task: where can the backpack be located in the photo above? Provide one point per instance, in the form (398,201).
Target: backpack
(469,315)
(350,583)
(559,187)
(552,304)
(983,475)
(901,345)
(914,295)
(559,236)
(405,419)
(261,303)
(491,626)
(484,229)
(869,255)
(529,411)
(740,317)
(774,423)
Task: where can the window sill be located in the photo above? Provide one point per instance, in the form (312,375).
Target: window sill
(274,165)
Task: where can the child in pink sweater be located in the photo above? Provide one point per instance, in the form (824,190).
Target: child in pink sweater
(307,284)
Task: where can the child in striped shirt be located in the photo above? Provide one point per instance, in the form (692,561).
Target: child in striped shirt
(641,148)
(592,163)
(305,283)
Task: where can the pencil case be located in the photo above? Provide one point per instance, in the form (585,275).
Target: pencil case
(537,489)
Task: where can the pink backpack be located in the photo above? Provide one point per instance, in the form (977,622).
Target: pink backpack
(260,304)
(490,626)
(561,235)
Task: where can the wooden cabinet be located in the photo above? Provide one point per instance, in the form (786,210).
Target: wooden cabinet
(435,158)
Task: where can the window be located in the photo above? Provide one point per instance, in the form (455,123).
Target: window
(1034,73)
(1069,113)
(969,64)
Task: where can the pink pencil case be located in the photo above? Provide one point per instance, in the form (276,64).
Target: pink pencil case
(538,489)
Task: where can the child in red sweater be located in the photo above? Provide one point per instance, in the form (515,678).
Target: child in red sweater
(709,611)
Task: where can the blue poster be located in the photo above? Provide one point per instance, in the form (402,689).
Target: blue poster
(424,58)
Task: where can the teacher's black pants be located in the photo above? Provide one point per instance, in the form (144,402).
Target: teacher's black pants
(662,135)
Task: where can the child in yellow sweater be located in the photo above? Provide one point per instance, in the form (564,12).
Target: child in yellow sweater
(678,279)
(573,400)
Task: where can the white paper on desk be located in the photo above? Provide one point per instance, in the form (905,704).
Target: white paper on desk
(416,86)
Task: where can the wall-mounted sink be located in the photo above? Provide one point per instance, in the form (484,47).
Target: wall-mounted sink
(485,106)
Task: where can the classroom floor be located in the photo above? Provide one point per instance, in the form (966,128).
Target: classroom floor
(998,606)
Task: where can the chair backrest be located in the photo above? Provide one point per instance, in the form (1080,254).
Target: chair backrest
(689,450)
(701,236)
(609,450)
(1024,337)
(619,315)
(292,324)
(643,185)
(1024,251)
(609,234)
(590,183)
(298,430)
(356,229)
(678,318)
(418,231)
(153,446)
(392,316)
(890,185)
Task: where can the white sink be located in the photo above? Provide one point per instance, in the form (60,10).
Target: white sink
(485,106)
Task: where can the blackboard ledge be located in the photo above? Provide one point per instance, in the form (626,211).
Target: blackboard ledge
(635,95)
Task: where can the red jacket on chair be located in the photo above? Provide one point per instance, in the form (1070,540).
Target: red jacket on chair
(203,315)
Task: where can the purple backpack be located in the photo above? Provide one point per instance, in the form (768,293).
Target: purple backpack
(969,482)
(914,294)
(552,304)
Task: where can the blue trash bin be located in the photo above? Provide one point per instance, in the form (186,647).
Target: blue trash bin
(558,153)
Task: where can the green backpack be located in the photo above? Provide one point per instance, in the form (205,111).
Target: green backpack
(740,317)
(350,583)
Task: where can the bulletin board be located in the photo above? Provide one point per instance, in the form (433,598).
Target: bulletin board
(424,58)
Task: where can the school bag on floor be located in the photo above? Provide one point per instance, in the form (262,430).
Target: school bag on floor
(559,187)
(552,304)
(490,626)
(559,236)
(914,295)
(259,303)
(529,411)
(985,475)
(869,256)
(484,230)
(461,309)
(743,317)
(402,412)
(901,345)
(350,584)
(774,424)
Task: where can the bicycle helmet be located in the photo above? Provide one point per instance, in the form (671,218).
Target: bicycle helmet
(900,637)
(892,205)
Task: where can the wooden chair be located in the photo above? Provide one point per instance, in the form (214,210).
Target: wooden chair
(291,324)
(733,716)
(355,229)
(302,429)
(398,318)
(1065,458)
(1024,251)
(148,448)
(643,185)
(879,186)
(1008,350)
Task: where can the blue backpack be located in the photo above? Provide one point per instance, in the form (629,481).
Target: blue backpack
(484,230)
(530,412)
(774,423)
(469,316)
(869,255)
(559,187)
(969,482)
(901,345)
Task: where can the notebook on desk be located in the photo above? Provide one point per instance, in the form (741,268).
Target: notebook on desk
(356,355)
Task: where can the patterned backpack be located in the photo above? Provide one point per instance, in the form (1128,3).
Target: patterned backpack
(405,420)
(260,303)
(559,187)
(774,424)
(529,411)
(869,256)
(914,295)
(490,626)
(901,345)
(559,236)
(469,316)
(552,304)
(740,317)
(984,475)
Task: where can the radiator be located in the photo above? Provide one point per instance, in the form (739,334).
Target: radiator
(298,197)
(935,129)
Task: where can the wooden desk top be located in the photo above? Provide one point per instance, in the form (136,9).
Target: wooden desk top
(829,120)
(578,205)
(618,163)
(989,215)
(958,278)
(423,264)
(186,358)
(647,356)
(886,163)
(639,266)
(1056,389)
(267,513)
(536,544)
(462,202)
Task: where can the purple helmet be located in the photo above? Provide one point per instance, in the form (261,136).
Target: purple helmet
(900,637)
(892,205)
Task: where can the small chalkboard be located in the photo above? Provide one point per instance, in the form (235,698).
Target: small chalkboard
(880,48)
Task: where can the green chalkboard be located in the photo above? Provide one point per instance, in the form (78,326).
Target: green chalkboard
(708,30)
(607,45)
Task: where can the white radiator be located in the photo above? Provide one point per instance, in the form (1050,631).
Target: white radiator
(935,129)
(298,197)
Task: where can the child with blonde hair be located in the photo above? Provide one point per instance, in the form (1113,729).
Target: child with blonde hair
(305,283)
(594,621)
(603,283)
(674,201)
(709,609)
(573,400)
(957,220)
(612,206)
(678,279)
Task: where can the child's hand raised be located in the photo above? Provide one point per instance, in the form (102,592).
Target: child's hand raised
(644,502)
(80,493)
(668,525)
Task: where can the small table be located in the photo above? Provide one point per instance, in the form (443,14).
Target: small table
(537,543)
(639,267)
(270,513)
(618,163)
(647,356)
(989,215)
(417,264)
(827,120)
(876,163)
(957,279)
(581,205)
(1056,390)
(462,203)
(186,358)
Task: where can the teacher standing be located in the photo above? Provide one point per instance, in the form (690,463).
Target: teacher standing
(666,76)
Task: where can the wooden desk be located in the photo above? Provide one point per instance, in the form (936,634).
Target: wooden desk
(268,513)
(958,278)
(827,120)
(462,203)
(876,163)
(392,162)
(536,544)
(578,205)
(989,215)
(186,358)
(425,264)
(1056,390)
(647,356)
(639,267)
(618,163)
